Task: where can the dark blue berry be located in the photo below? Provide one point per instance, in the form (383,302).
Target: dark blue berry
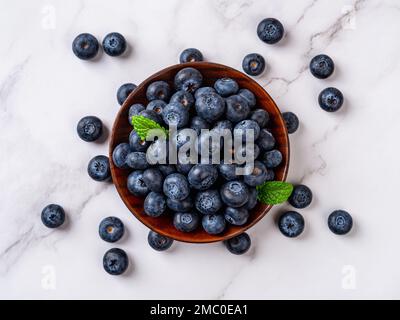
(322,66)
(136,143)
(120,154)
(272,158)
(234,193)
(270,175)
(213,223)
(202,176)
(184,205)
(89,128)
(236,216)
(247,126)
(226,87)
(237,108)
(227,171)
(157,106)
(152,115)
(252,202)
(136,184)
(154,179)
(184,168)
(175,114)
(258,176)
(291,121)
(137,160)
(248,96)
(260,116)
(198,124)
(159,242)
(111,229)
(190,55)
(99,168)
(114,44)
(184,98)
(134,110)
(158,152)
(186,221)
(239,244)
(115,261)
(222,125)
(266,140)
(85,46)
(208,202)
(203,90)
(301,196)
(166,169)
(330,99)
(188,79)
(124,91)
(253,64)
(154,204)
(210,106)
(176,186)
(53,216)
(270,30)
(291,224)
(340,222)
(158,90)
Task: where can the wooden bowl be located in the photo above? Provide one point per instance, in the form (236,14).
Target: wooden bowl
(121,129)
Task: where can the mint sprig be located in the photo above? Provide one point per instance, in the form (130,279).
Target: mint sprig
(274,192)
(143,125)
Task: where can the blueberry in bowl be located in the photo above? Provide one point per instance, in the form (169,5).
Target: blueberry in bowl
(203,201)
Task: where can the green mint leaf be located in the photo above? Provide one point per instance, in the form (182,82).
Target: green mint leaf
(274,192)
(143,125)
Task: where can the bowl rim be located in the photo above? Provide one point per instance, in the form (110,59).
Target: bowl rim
(217,238)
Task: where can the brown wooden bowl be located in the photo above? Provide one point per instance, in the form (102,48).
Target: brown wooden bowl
(121,129)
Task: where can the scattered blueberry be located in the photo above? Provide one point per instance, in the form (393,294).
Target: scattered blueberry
(248,96)
(208,201)
(190,55)
(175,114)
(85,46)
(270,30)
(226,87)
(186,221)
(260,116)
(157,106)
(53,216)
(99,168)
(210,106)
(237,108)
(301,196)
(239,244)
(111,229)
(114,44)
(330,99)
(159,242)
(154,204)
(322,66)
(272,158)
(120,154)
(291,224)
(340,222)
(234,193)
(291,121)
(176,186)
(136,184)
(89,128)
(115,261)
(213,223)
(188,79)
(236,216)
(253,64)
(124,91)
(202,176)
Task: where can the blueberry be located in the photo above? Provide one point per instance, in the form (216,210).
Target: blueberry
(253,152)
(158,90)
(234,193)
(159,242)
(158,152)
(340,222)
(213,223)
(124,91)
(120,154)
(237,108)
(270,175)
(166,169)
(188,79)
(252,202)
(272,158)
(154,179)
(322,66)
(85,46)
(291,224)
(202,176)
(53,216)
(154,204)
(270,30)
(212,138)
(176,186)
(180,138)
(227,171)
(260,116)
(301,196)
(190,55)
(114,44)
(184,168)
(248,96)
(226,87)
(89,128)
(236,216)
(175,114)
(184,98)
(291,121)
(136,143)
(137,160)
(136,184)
(266,140)
(208,202)
(245,126)
(258,176)
(330,99)
(99,168)
(223,124)
(184,205)
(111,229)
(134,110)
(210,106)
(239,244)
(152,115)
(253,64)
(198,124)
(203,90)
(115,261)
(157,106)
(186,221)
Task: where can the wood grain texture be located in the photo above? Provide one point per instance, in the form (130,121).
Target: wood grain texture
(121,129)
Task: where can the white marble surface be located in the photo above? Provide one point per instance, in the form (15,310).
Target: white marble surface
(349,159)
